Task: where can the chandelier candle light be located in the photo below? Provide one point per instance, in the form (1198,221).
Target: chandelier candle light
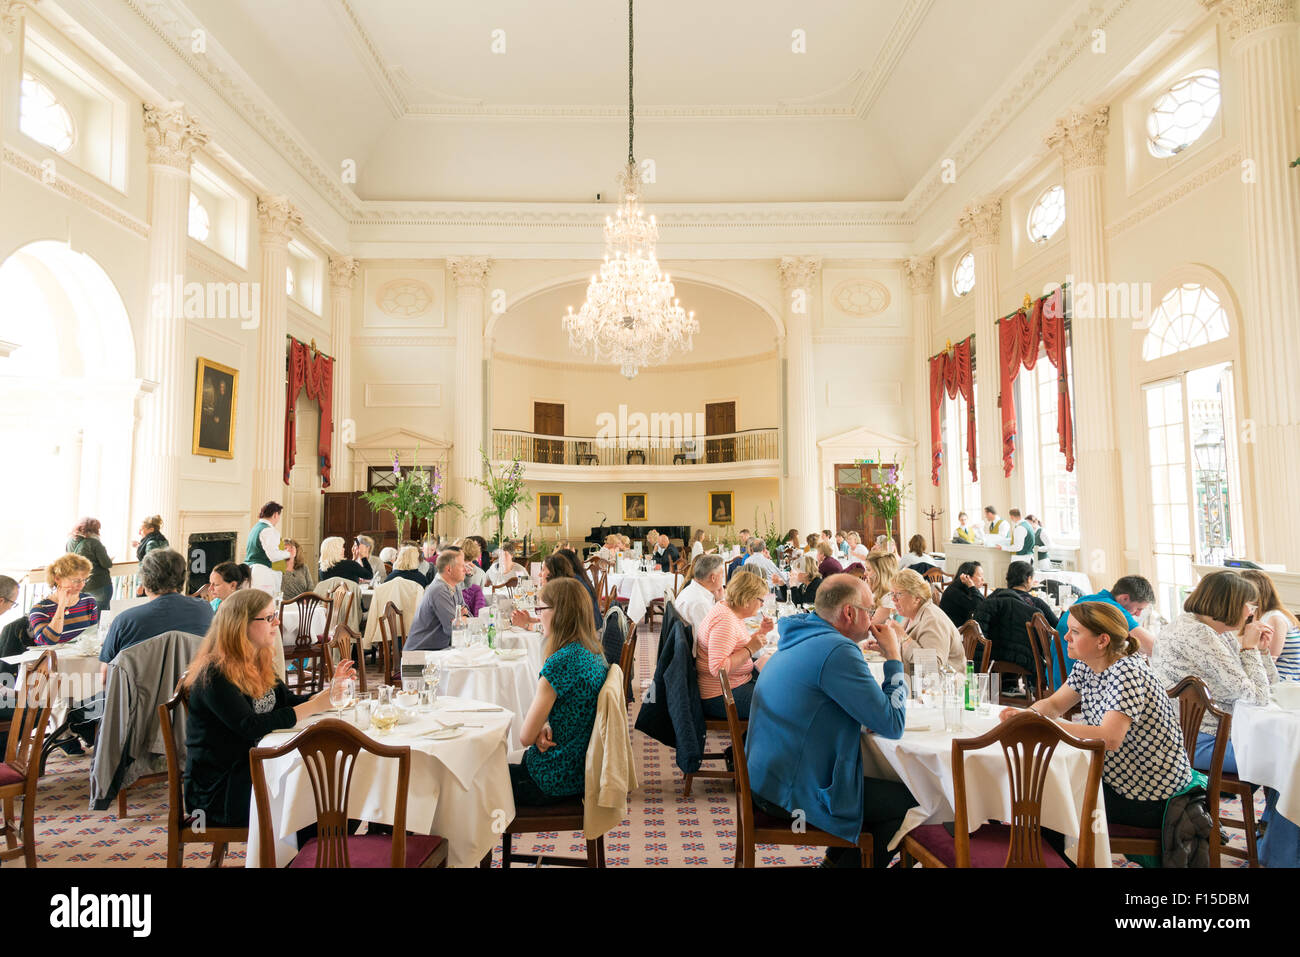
(631,316)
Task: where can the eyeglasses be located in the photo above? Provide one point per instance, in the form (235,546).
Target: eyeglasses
(541,608)
(75,581)
(269,619)
(867,608)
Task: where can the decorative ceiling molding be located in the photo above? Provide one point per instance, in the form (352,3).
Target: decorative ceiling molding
(61,184)
(671,369)
(405,342)
(896,44)
(858,339)
(586,216)
(368,54)
(578,112)
(1202,177)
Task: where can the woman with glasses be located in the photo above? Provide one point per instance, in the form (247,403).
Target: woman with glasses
(557,728)
(67,611)
(723,639)
(235,699)
(927,627)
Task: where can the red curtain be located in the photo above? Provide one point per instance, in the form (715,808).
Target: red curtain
(316,373)
(951,374)
(1019,337)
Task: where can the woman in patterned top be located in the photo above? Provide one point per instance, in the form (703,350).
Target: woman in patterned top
(1124,704)
(558,726)
(235,699)
(68,611)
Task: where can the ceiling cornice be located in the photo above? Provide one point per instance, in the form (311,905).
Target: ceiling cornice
(368,54)
(896,44)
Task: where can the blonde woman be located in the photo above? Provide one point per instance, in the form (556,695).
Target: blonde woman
(557,728)
(857,551)
(333,563)
(723,639)
(805,577)
(407,565)
(67,611)
(697,544)
(926,626)
(235,699)
(881,569)
(1285,643)
(151,537)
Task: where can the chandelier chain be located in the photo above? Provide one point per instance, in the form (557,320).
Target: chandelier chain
(630,114)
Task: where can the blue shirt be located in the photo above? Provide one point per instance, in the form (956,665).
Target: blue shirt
(170,612)
(1063,623)
(812,699)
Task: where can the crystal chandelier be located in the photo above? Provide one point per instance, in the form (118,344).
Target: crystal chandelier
(631,316)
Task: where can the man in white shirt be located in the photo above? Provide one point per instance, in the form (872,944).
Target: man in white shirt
(760,564)
(996,528)
(706,588)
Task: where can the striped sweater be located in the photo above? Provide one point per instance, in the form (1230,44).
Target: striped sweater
(76,619)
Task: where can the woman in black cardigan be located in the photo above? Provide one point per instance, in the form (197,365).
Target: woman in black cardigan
(235,699)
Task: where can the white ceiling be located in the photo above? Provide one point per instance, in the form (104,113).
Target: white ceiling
(412,92)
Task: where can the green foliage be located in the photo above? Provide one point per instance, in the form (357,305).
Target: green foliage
(417,495)
(504,490)
(768,530)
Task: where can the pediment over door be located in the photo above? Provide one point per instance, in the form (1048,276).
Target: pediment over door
(865,439)
(400,439)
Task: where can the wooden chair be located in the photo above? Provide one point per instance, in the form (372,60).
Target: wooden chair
(655,606)
(978,648)
(757,827)
(627,661)
(508,586)
(21,769)
(392,638)
(712,724)
(1028,742)
(1194,702)
(1042,639)
(302,648)
(328,750)
(600,583)
(937,578)
(338,649)
(182,827)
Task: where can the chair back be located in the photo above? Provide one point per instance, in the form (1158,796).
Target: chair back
(937,578)
(306,604)
(27,727)
(339,649)
(328,750)
(627,661)
(176,813)
(1045,649)
(744,798)
(1028,742)
(342,599)
(978,648)
(392,637)
(1194,702)
(600,582)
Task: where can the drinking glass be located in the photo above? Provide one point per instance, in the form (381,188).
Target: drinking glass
(477,631)
(342,694)
(460,636)
(981,693)
(365,701)
(429,692)
(954,707)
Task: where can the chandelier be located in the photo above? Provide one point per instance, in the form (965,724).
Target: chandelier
(631,316)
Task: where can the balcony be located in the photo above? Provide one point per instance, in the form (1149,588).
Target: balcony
(752,454)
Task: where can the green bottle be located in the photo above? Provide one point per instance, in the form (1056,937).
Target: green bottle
(970,684)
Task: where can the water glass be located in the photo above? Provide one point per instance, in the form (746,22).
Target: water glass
(460,637)
(364,702)
(980,693)
(954,705)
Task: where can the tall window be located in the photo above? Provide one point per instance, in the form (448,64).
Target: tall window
(1182,114)
(963,494)
(43,117)
(1050,491)
(200,225)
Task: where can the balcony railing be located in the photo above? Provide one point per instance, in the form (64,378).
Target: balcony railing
(756,445)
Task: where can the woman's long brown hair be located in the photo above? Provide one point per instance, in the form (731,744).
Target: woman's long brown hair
(570,616)
(228,648)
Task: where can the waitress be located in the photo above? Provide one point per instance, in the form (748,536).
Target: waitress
(265,550)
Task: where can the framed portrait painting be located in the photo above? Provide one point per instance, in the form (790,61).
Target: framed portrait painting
(550,508)
(634,506)
(215,402)
(720,508)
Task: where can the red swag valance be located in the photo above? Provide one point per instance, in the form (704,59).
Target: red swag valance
(316,373)
(1019,337)
(951,374)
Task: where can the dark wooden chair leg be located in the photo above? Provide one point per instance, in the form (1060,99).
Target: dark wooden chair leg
(505,849)
(218,855)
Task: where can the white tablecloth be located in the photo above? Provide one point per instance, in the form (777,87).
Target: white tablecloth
(459,788)
(1266,742)
(289,622)
(76,676)
(512,684)
(922,760)
(1078,579)
(641,588)
(533,642)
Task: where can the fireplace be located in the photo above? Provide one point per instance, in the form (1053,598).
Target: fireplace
(204,552)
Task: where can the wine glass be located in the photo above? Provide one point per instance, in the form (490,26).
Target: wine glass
(342,694)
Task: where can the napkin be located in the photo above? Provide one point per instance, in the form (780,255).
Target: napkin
(918,719)
(1287,695)
(470,657)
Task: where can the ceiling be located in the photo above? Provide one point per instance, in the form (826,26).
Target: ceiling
(412,92)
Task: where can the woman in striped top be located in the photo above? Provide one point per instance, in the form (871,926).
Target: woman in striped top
(1285,643)
(724,640)
(67,612)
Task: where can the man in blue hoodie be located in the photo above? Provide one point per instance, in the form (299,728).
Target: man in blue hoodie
(811,702)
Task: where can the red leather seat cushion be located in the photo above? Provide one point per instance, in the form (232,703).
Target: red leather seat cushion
(374,850)
(988,846)
(9,776)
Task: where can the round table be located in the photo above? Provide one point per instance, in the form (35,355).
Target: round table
(1266,742)
(641,588)
(922,760)
(459,787)
(510,683)
(533,642)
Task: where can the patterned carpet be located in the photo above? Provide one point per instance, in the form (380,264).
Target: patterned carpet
(664,828)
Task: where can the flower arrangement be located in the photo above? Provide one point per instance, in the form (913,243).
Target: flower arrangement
(768,530)
(415,495)
(505,490)
(885,499)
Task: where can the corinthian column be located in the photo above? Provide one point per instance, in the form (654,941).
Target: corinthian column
(920,275)
(470,431)
(171,137)
(1266,43)
(800,499)
(982,221)
(276,220)
(343,270)
(1080,137)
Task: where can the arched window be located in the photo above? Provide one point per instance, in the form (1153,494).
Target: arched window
(200,223)
(1047,215)
(963,276)
(288,280)
(1181,114)
(43,117)
(1188,316)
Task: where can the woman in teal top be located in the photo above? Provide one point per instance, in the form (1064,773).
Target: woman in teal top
(558,726)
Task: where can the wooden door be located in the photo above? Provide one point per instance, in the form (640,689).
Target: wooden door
(548,419)
(850,515)
(720,419)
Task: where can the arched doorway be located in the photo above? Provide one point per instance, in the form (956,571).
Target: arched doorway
(67,395)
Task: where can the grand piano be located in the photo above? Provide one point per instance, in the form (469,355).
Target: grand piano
(638,533)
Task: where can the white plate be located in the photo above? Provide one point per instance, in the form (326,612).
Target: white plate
(511,654)
(444,734)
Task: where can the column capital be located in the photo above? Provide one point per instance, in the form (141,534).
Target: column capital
(171,136)
(469,271)
(11,12)
(343,270)
(1080,135)
(1247,17)
(799,272)
(920,273)
(276,219)
(982,220)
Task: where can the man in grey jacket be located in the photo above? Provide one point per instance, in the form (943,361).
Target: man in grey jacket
(441,607)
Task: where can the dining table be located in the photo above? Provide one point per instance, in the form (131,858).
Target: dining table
(922,760)
(640,588)
(503,677)
(459,784)
(1266,742)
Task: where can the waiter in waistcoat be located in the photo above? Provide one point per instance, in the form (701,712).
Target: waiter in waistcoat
(263,552)
(1023,538)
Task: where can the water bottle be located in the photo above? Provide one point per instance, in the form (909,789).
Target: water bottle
(492,626)
(970,686)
